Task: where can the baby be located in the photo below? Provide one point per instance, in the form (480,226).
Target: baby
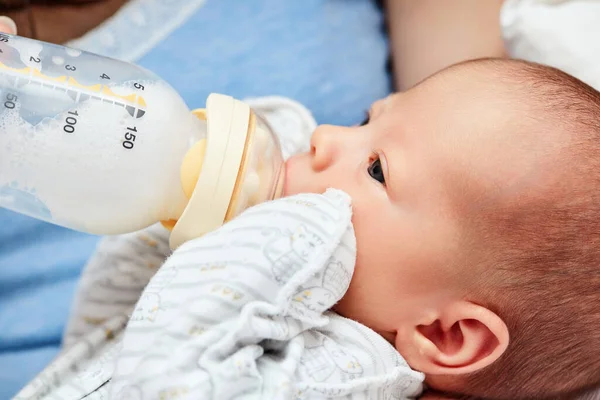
(476,208)
(471,260)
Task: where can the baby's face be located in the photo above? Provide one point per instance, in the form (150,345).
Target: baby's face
(417,173)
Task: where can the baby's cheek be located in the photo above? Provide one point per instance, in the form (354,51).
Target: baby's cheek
(353,308)
(347,308)
(355,303)
(371,294)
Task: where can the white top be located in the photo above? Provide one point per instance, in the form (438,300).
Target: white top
(560,33)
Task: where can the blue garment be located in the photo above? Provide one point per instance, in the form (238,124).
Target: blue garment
(328,54)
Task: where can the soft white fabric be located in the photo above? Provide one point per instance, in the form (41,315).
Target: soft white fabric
(239,313)
(560,33)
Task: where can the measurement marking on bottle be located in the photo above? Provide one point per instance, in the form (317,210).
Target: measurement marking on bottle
(70,122)
(134,104)
(129,136)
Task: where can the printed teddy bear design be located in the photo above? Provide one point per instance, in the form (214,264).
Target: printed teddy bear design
(290,251)
(147,308)
(130,392)
(149,304)
(327,359)
(324,290)
(398,391)
(162,279)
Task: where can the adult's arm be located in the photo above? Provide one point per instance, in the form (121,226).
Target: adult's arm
(429,35)
(58,21)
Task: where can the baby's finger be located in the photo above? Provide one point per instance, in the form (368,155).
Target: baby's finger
(7,25)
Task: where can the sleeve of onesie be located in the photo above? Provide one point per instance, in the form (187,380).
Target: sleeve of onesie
(114,278)
(242,313)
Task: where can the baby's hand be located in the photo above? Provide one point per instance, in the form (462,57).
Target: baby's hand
(7,25)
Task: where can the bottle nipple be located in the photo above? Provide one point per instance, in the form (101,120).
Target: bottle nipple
(191,167)
(190,171)
(237,166)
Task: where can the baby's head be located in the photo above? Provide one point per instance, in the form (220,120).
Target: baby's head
(476,200)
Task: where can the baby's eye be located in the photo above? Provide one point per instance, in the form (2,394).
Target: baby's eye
(376,172)
(366,121)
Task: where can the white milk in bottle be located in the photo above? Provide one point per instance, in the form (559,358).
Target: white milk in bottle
(106,147)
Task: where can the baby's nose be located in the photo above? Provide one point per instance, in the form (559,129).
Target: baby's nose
(324,145)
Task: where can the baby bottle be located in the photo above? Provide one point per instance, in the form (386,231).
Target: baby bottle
(106,147)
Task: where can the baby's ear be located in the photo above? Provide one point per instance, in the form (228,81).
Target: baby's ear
(462,338)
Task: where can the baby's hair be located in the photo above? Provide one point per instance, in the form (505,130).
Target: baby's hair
(542,274)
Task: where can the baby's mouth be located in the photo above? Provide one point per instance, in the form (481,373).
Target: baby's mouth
(298,176)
